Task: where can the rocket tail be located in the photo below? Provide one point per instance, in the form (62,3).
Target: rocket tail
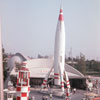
(44,84)
(67,85)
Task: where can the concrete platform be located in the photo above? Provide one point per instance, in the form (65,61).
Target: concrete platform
(38,95)
(54,92)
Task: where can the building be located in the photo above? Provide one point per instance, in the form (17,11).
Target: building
(39,68)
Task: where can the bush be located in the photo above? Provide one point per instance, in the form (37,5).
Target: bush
(14,98)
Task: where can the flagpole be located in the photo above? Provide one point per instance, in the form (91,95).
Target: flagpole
(1,68)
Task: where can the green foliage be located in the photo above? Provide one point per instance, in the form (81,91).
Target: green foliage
(14,98)
(82,64)
(79,63)
(5,68)
(91,67)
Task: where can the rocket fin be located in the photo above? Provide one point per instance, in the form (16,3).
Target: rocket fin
(44,84)
(67,84)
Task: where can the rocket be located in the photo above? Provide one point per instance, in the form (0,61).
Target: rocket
(59,57)
(59,51)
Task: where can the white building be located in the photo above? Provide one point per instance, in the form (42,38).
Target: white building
(40,67)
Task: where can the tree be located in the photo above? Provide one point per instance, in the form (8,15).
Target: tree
(5,68)
(82,64)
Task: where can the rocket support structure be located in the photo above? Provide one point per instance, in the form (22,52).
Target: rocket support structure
(1,68)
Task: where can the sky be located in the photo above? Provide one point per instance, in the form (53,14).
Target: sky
(29,26)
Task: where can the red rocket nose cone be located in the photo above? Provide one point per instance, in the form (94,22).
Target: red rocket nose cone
(61,11)
(61,18)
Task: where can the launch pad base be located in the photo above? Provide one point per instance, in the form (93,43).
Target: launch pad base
(58,93)
(54,92)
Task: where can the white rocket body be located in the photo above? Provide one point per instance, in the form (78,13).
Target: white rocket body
(59,50)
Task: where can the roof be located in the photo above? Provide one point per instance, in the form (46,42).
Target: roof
(17,58)
(39,68)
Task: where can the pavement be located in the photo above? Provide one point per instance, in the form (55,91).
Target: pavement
(79,95)
(35,92)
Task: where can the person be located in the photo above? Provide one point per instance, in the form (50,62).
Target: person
(46,98)
(43,98)
(74,90)
(32,98)
(50,96)
(66,98)
(49,90)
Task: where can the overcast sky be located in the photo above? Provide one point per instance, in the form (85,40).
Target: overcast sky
(29,26)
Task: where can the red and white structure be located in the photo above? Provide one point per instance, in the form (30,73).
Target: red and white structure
(23,87)
(67,85)
(59,57)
